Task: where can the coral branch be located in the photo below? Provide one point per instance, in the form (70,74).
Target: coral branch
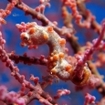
(65,58)
(28,60)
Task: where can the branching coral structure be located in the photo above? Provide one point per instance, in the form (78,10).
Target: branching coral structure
(78,70)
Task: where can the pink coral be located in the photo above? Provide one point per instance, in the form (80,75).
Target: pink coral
(79,68)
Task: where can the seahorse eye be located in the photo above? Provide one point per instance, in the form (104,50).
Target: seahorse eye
(24,37)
